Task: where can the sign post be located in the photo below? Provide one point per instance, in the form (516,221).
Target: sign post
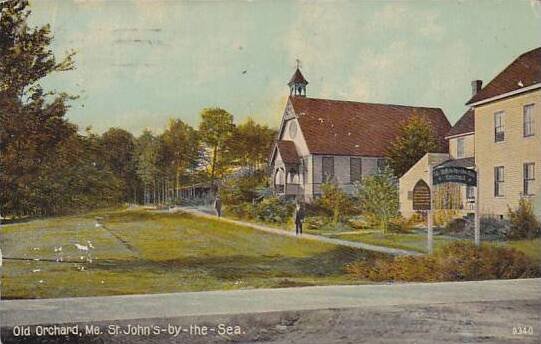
(477,213)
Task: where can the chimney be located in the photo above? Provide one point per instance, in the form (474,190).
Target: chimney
(476,86)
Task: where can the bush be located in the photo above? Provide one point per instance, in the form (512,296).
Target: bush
(399,225)
(335,201)
(315,222)
(443,216)
(416,219)
(456,226)
(492,228)
(378,195)
(241,211)
(273,210)
(243,188)
(523,223)
(359,222)
(458,261)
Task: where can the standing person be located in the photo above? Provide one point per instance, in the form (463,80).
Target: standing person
(218,205)
(299,218)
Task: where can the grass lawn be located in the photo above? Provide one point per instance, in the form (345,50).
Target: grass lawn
(531,248)
(405,241)
(417,242)
(137,251)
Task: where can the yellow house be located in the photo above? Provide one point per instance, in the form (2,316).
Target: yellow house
(500,135)
(507,142)
(461,145)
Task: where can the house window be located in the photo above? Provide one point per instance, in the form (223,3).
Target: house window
(380,165)
(529,178)
(470,192)
(528,120)
(499,130)
(460,147)
(498,181)
(328,168)
(355,169)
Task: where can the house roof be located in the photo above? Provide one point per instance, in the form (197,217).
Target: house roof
(523,72)
(350,128)
(288,152)
(466,124)
(297,78)
(464,162)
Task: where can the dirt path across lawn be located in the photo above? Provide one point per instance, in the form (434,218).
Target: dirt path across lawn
(359,245)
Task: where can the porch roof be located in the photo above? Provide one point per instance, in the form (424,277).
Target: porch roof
(288,152)
(464,162)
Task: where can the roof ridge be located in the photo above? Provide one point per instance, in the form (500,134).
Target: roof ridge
(371,103)
(528,52)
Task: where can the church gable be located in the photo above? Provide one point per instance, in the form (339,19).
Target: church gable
(290,130)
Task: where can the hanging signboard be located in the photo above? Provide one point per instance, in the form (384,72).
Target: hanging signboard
(450,174)
(421,196)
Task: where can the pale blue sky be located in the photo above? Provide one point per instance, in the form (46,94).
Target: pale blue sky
(142,62)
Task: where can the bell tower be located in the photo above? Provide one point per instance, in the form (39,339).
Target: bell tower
(297,84)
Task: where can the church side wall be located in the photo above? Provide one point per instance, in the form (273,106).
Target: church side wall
(342,173)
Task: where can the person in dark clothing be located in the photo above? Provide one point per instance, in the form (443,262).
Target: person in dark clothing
(218,206)
(299,218)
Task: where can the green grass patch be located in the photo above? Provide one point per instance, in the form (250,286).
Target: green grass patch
(405,241)
(139,252)
(417,242)
(531,248)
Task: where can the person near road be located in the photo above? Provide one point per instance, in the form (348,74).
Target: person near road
(218,206)
(299,218)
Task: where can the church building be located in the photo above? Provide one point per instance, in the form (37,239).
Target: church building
(324,140)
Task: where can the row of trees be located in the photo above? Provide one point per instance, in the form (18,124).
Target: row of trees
(154,168)
(49,167)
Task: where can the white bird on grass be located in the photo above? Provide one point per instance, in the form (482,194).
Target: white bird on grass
(81,247)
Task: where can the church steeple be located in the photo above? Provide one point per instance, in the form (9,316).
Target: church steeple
(297,84)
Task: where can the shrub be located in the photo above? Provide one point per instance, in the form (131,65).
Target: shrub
(492,228)
(457,226)
(241,211)
(379,198)
(358,222)
(315,222)
(523,222)
(416,218)
(458,261)
(336,201)
(273,210)
(243,188)
(443,216)
(399,225)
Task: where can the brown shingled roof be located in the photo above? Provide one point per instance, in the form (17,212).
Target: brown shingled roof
(350,128)
(297,78)
(466,124)
(288,152)
(526,70)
